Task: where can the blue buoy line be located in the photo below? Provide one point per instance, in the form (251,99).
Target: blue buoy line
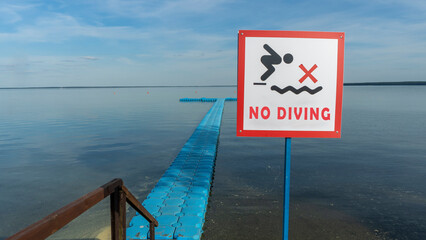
(204,99)
(179,200)
(197,100)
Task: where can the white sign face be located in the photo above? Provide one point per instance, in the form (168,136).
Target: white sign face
(290,84)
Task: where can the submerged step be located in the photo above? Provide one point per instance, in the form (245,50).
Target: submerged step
(179,200)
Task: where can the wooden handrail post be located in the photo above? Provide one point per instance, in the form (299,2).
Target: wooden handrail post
(151,231)
(118,214)
(119,195)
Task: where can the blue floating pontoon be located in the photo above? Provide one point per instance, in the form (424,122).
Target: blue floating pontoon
(179,200)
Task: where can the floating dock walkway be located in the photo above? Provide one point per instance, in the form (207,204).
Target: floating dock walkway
(179,200)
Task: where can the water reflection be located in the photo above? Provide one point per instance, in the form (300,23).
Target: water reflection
(56,145)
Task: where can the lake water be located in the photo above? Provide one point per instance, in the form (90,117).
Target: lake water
(58,144)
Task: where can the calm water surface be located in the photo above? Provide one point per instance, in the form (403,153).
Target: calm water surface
(56,145)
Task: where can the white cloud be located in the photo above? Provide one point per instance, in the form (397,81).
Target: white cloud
(140,37)
(158,9)
(126,61)
(197,55)
(11,13)
(60,27)
(419,5)
(377,47)
(90,58)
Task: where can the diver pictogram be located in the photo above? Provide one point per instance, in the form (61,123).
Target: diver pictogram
(274,59)
(268,61)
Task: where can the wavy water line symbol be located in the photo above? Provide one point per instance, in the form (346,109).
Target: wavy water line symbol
(268,61)
(296,91)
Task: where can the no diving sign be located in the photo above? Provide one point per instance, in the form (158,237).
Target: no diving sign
(290,84)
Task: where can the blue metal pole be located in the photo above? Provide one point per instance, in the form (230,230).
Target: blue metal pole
(286,203)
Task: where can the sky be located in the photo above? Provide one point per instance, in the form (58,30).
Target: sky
(194,42)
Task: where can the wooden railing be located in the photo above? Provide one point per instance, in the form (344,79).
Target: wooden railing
(119,196)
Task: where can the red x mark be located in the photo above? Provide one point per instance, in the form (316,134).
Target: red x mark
(308,73)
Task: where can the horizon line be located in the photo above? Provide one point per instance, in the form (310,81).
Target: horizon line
(117,86)
(224,85)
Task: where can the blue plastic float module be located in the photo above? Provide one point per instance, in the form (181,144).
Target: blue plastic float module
(179,200)
(205,99)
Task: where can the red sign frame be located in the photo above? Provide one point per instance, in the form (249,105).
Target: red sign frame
(242,35)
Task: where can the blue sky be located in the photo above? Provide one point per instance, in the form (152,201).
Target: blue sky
(194,42)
